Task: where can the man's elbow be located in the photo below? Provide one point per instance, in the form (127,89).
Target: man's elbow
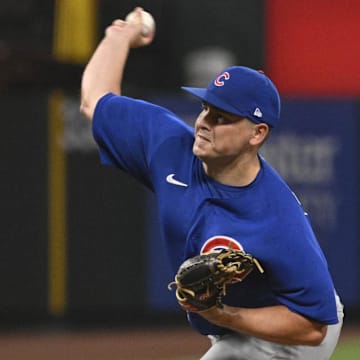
(86,109)
(316,336)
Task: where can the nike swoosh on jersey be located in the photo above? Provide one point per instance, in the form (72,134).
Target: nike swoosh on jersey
(170,179)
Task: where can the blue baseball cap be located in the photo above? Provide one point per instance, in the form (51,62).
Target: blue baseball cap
(242,91)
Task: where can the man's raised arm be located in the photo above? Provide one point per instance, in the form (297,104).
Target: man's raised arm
(104,71)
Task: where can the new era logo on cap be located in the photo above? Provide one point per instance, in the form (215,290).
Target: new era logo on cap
(258,113)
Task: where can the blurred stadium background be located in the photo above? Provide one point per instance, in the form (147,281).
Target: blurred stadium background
(71,230)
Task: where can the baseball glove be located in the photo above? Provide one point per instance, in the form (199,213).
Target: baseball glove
(201,281)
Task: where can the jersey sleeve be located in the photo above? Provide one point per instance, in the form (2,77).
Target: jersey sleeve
(129,132)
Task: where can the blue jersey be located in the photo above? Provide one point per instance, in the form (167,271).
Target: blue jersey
(198,214)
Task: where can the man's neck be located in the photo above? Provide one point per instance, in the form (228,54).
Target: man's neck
(240,172)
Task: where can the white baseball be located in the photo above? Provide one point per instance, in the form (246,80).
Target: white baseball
(147,21)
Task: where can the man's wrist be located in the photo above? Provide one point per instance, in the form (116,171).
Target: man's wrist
(214,314)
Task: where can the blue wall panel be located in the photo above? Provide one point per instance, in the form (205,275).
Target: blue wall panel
(316,151)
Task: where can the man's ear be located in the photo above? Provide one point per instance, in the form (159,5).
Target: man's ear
(260,133)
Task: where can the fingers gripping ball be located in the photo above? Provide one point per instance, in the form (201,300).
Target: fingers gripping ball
(146,19)
(201,281)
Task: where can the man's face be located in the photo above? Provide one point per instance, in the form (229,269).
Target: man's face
(220,135)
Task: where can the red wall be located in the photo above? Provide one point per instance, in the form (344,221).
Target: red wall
(313,47)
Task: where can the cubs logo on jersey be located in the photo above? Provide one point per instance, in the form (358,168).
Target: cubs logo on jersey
(220,242)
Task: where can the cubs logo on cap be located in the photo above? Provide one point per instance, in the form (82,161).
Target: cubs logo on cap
(220,80)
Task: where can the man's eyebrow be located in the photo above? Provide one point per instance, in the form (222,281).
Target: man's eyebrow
(215,108)
(226,114)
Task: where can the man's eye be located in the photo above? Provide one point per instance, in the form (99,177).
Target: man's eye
(221,120)
(204,107)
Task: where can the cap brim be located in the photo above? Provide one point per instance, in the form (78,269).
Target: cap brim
(211,99)
(198,92)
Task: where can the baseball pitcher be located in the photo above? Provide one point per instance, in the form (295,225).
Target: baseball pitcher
(247,267)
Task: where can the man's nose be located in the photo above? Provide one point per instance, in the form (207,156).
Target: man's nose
(205,118)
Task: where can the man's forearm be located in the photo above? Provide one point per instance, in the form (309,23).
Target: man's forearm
(104,71)
(274,323)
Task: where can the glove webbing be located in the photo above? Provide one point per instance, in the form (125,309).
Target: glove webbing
(236,267)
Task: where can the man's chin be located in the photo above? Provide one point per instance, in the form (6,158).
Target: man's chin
(200,153)
(205,158)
